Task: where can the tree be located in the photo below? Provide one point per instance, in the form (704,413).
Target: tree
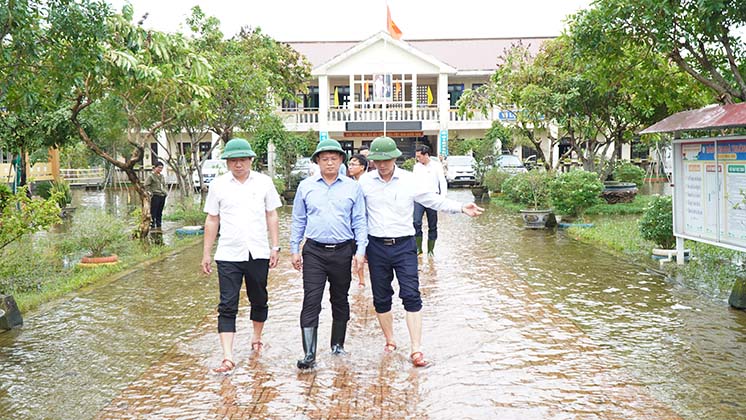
(251,72)
(151,77)
(40,42)
(699,36)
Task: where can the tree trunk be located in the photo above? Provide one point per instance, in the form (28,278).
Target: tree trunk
(145,218)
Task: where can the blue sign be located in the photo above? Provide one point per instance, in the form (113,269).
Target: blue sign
(443,140)
(323,135)
(506,115)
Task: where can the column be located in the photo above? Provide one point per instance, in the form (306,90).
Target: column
(323,104)
(444,106)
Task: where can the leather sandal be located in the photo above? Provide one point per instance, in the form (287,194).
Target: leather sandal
(389,348)
(226,366)
(418,359)
(257,346)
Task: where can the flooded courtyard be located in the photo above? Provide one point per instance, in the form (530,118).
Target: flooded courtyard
(519,324)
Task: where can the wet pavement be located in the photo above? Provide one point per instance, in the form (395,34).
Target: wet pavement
(519,324)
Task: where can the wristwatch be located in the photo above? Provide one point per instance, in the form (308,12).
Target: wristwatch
(276,248)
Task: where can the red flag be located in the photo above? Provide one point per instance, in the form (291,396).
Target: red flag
(394,30)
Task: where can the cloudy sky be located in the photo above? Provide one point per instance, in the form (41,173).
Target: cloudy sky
(295,20)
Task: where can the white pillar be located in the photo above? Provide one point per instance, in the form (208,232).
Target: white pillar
(444,106)
(680,251)
(324,103)
(351,103)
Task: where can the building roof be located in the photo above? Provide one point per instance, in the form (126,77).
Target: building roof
(709,117)
(474,54)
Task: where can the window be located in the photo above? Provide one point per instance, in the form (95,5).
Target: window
(288,105)
(311,99)
(153,153)
(475,86)
(343,93)
(454,93)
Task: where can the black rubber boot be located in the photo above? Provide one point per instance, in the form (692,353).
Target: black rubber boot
(309,346)
(339,330)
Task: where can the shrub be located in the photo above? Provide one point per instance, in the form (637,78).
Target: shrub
(494,179)
(408,164)
(279,185)
(628,172)
(5,196)
(529,188)
(96,233)
(189,213)
(656,223)
(45,189)
(575,191)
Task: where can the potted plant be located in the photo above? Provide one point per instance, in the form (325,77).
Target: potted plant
(571,193)
(627,178)
(60,190)
(532,189)
(656,225)
(97,235)
(479,190)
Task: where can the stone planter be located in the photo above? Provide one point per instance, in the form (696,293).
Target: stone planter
(10,316)
(480,193)
(538,219)
(619,192)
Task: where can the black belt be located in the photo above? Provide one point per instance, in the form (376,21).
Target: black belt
(330,246)
(390,241)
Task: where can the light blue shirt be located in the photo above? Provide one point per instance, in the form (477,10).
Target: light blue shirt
(329,214)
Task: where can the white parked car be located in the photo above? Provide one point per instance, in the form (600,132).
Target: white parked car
(210,169)
(460,170)
(510,163)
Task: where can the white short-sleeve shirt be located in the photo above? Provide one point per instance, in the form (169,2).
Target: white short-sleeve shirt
(242,208)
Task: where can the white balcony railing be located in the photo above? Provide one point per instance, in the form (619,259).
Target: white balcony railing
(429,113)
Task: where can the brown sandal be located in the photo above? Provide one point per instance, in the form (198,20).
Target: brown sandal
(389,348)
(418,359)
(256,346)
(226,366)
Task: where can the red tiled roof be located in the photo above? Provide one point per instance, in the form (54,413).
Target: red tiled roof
(709,117)
(477,54)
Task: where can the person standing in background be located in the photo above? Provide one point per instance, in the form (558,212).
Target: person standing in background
(155,184)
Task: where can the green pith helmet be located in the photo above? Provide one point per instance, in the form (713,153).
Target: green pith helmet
(328,145)
(383,148)
(237,148)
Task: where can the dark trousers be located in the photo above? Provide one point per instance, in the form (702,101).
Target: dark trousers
(320,264)
(156,209)
(385,260)
(432,221)
(230,276)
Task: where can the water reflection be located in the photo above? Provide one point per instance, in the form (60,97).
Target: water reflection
(519,324)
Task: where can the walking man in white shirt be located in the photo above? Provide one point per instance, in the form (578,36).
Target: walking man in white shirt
(390,193)
(432,171)
(242,204)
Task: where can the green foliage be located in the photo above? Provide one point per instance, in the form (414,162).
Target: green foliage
(618,234)
(96,233)
(656,224)
(629,172)
(494,179)
(409,164)
(575,191)
(5,195)
(45,190)
(279,185)
(188,212)
(23,215)
(501,133)
(529,188)
(26,265)
(637,206)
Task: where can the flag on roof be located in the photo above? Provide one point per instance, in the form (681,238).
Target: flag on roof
(394,30)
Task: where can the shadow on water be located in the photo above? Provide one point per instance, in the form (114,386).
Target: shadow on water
(519,324)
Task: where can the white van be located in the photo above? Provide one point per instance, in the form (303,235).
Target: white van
(460,170)
(210,169)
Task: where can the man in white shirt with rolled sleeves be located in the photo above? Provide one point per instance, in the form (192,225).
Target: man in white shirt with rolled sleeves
(431,170)
(242,204)
(390,194)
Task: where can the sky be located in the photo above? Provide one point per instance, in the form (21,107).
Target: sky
(355,20)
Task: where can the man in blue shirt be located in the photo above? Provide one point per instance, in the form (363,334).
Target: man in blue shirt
(329,211)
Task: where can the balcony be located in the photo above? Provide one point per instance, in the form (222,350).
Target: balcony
(308,119)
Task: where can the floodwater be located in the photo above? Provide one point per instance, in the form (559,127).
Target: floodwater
(519,324)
